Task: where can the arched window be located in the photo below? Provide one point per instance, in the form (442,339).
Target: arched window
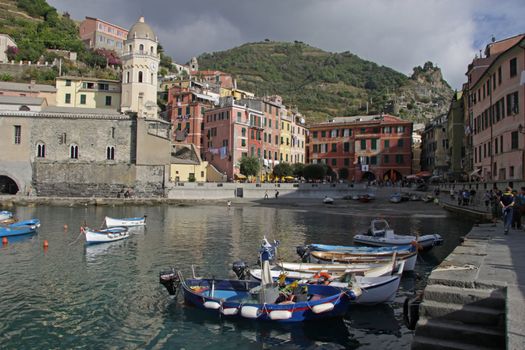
(152,50)
(73,151)
(110,153)
(151,81)
(127,77)
(40,150)
(141,48)
(130,48)
(140,76)
(24,108)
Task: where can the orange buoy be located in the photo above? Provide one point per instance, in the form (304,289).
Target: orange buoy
(4,240)
(46,244)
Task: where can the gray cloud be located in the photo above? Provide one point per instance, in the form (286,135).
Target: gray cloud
(398,34)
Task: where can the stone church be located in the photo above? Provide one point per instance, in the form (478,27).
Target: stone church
(67,151)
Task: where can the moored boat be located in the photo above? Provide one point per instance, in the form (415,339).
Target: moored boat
(372,269)
(125,222)
(328,200)
(105,235)
(4,215)
(18,228)
(380,234)
(252,300)
(409,257)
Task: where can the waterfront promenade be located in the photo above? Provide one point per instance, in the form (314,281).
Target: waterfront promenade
(475,299)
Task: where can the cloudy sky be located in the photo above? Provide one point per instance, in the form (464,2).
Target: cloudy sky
(397,33)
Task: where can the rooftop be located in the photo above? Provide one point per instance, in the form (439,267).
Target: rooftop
(26,87)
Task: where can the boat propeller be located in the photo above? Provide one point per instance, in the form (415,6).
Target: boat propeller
(169,279)
(241,269)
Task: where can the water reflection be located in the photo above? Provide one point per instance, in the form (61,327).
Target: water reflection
(108,296)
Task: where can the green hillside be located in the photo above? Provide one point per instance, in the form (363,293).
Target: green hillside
(323,84)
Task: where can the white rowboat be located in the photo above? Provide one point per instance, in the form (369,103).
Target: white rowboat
(125,222)
(105,235)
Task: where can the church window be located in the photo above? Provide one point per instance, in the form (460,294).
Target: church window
(141,48)
(152,50)
(110,153)
(130,48)
(151,81)
(73,151)
(41,150)
(140,77)
(127,77)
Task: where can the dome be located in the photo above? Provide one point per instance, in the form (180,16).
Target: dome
(141,30)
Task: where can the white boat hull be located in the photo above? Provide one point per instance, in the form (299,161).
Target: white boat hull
(410,261)
(125,222)
(105,236)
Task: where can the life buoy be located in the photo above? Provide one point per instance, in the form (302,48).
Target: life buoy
(324,275)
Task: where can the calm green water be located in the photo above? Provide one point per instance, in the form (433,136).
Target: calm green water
(108,296)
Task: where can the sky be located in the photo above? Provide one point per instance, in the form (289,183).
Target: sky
(400,34)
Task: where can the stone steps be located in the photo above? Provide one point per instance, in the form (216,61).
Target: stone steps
(458,332)
(424,343)
(489,298)
(470,314)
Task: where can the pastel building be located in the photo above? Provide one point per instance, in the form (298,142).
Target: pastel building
(99,34)
(31,89)
(87,92)
(434,146)
(5,42)
(496,110)
(376,147)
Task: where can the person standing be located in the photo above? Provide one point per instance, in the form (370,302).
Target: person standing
(507,202)
(519,208)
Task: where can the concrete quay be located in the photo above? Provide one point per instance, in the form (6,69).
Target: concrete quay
(475,299)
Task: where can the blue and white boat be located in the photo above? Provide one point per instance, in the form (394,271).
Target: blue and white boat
(105,235)
(5,215)
(24,227)
(125,222)
(257,301)
(359,249)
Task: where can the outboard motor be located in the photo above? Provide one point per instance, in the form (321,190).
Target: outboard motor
(269,250)
(170,280)
(241,269)
(303,251)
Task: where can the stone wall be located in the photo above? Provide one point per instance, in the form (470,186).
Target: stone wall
(17,71)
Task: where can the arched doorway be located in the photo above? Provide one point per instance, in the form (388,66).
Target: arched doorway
(368,176)
(8,185)
(392,175)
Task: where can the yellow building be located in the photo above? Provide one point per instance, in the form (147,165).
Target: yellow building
(87,92)
(285,144)
(186,164)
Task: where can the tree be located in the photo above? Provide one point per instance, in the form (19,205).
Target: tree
(343,173)
(298,169)
(250,166)
(282,169)
(314,172)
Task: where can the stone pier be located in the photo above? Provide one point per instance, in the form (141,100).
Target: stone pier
(475,298)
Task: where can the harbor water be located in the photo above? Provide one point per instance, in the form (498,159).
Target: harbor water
(72,296)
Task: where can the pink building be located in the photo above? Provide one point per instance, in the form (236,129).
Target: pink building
(224,80)
(99,34)
(496,94)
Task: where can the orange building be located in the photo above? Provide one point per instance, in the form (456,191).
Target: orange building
(99,34)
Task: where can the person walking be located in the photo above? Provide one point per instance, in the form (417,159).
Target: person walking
(507,202)
(266,194)
(519,208)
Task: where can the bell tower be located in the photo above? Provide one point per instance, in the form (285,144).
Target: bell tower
(140,66)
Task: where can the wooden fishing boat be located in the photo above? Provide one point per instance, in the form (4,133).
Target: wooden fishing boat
(125,222)
(105,235)
(379,269)
(24,227)
(251,300)
(380,234)
(358,250)
(409,257)
(375,289)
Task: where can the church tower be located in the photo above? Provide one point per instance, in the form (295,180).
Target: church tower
(140,65)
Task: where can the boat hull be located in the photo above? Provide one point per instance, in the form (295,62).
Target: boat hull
(425,242)
(410,258)
(19,228)
(229,299)
(125,222)
(106,235)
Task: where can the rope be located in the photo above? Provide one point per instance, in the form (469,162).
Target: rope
(80,234)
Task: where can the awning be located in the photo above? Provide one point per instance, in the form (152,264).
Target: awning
(424,174)
(289,178)
(240,176)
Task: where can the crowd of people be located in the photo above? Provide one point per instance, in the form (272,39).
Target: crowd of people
(507,205)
